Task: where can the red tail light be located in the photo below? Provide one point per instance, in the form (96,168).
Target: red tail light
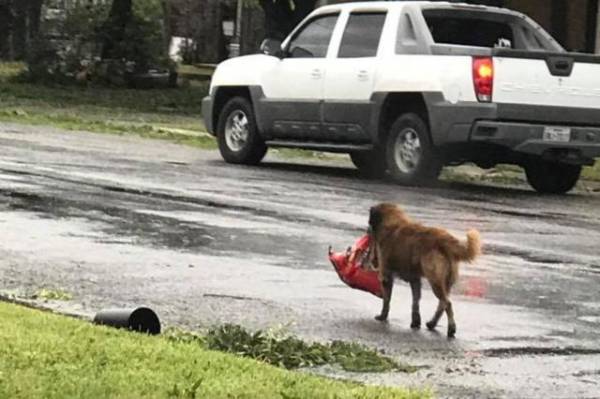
(483,78)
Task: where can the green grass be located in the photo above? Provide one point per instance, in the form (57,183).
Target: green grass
(501,174)
(592,172)
(52,295)
(170,114)
(504,174)
(514,173)
(48,356)
(167,114)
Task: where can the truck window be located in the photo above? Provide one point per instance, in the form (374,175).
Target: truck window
(470,32)
(483,29)
(312,41)
(362,34)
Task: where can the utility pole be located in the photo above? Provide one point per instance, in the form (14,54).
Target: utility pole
(236,43)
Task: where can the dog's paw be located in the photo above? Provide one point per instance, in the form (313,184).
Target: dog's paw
(431,325)
(451,331)
(382,318)
(416,321)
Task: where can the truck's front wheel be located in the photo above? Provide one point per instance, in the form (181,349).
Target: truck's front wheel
(552,177)
(237,134)
(410,156)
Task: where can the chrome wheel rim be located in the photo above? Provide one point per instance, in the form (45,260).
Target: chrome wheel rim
(237,130)
(407,150)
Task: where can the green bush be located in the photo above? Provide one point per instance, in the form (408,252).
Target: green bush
(284,350)
(71,51)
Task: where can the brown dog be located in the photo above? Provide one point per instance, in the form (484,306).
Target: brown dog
(411,251)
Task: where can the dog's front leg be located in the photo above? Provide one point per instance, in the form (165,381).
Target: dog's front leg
(387,283)
(415,286)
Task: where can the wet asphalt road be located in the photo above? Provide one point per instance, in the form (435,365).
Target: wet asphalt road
(124,221)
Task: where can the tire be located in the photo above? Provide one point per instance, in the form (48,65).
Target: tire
(409,153)
(237,134)
(369,163)
(552,177)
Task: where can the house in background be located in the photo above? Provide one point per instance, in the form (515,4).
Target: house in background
(574,23)
(213,24)
(205,27)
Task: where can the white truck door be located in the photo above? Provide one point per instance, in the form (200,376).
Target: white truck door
(350,79)
(293,90)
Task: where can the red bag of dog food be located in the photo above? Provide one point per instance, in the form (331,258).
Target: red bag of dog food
(354,269)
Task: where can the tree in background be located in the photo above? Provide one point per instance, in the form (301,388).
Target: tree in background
(281,16)
(6,22)
(136,31)
(19,27)
(115,27)
(252,29)
(273,19)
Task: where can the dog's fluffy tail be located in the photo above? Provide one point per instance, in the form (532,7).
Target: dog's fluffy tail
(473,247)
(469,251)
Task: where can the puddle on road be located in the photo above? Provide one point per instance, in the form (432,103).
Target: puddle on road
(185,227)
(590,319)
(529,256)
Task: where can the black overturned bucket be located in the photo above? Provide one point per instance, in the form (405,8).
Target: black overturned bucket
(142,320)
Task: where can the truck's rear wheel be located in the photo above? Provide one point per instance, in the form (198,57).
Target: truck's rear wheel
(552,177)
(369,163)
(409,155)
(237,134)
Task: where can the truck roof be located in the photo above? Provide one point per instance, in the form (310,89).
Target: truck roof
(392,5)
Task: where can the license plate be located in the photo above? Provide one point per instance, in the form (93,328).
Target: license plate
(560,134)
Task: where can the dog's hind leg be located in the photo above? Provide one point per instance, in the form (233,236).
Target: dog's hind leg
(435,268)
(440,293)
(450,280)
(387,284)
(415,286)
(451,322)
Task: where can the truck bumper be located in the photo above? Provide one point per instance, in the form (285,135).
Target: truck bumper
(207,114)
(518,128)
(527,138)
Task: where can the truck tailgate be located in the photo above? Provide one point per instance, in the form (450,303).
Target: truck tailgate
(552,79)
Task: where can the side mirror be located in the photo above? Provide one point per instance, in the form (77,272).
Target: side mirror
(272,47)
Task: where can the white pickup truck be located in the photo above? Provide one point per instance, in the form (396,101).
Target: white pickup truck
(408,87)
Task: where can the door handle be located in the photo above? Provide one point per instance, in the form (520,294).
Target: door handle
(363,75)
(316,74)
